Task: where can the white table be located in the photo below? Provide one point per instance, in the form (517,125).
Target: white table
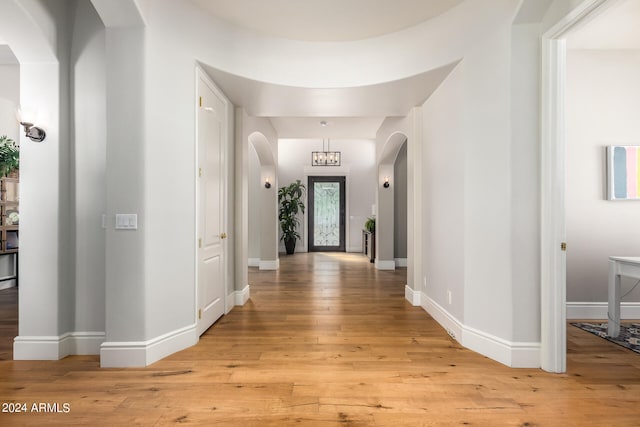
(619,266)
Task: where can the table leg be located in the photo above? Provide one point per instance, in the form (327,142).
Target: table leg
(613,329)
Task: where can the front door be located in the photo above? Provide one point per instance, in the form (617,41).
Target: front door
(327,213)
(210,224)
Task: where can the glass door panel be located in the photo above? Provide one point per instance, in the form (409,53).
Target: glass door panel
(327,211)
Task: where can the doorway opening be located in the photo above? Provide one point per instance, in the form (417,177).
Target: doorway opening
(327,208)
(9,200)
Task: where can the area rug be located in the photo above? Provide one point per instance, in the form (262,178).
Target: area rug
(629,333)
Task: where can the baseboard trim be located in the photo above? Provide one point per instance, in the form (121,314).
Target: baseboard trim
(57,347)
(254,262)
(599,310)
(385,265)
(241,297)
(134,354)
(512,354)
(85,343)
(269,265)
(412,296)
(400,262)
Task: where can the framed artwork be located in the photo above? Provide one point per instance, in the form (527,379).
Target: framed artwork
(623,172)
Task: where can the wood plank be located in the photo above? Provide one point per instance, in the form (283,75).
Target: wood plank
(326,341)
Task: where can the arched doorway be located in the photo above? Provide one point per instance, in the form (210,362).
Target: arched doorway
(263,196)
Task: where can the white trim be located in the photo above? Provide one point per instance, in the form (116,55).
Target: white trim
(57,347)
(242,296)
(598,310)
(253,262)
(412,296)
(442,316)
(327,170)
(269,265)
(512,354)
(354,249)
(131,354)
(385,265)
(85,343)
(400,262)
(552,190)
(37,348)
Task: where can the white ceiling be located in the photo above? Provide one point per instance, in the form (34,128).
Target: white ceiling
(617,27)
(326,20)
(353,112)
(6,55)
(336,127)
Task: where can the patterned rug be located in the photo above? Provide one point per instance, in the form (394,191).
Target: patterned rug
(629,333)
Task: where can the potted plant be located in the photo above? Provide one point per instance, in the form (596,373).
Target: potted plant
(370,225)
(291,202)
(9,156)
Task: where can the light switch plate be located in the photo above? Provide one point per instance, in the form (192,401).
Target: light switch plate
(126,221)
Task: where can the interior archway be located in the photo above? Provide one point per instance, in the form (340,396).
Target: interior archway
(385,235)
(263,193)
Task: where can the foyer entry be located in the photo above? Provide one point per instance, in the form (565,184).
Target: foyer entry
(327,206)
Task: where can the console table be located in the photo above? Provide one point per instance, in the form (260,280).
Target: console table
(619,266)
(369,245)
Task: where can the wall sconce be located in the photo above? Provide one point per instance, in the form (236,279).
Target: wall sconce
(267,184)
(386,182)
(32,132)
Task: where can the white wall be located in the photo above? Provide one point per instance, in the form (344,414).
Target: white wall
(603,106)
(525,181)
(254,205)
(481,195)
(444,189)
(358,159)
(88,90)
(9,100)
(171,48)
(400,204)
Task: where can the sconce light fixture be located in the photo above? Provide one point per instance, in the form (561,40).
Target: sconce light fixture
(386,182)
(32,132)
(267,184)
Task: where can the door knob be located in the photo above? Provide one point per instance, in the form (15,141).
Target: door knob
(223,235)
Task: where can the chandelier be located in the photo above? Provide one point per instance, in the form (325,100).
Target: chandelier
(325,158)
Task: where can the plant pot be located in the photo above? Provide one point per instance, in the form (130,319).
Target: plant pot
(290,245)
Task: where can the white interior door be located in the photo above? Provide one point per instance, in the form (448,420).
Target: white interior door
(210,224)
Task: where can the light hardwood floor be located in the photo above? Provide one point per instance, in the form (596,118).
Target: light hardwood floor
(328,340)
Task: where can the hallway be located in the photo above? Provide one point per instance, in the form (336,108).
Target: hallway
(330,340)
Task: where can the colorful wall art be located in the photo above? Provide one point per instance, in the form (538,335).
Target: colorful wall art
(623,167)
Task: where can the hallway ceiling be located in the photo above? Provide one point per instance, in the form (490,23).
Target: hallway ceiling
(326,20)
(355,112)
(352,112)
